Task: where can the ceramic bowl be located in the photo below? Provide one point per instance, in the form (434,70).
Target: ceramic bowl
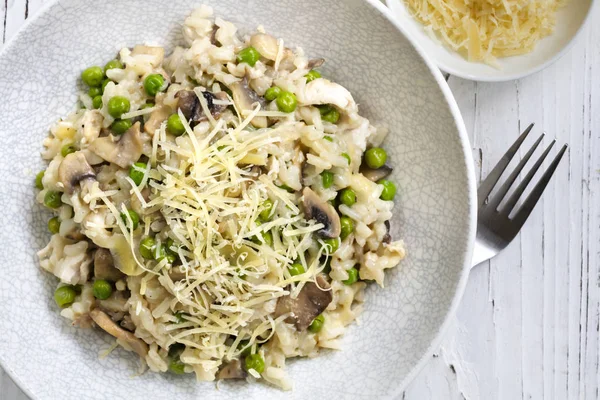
(569,22)
(395,86)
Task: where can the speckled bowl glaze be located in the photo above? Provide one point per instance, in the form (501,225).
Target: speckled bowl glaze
(394,85)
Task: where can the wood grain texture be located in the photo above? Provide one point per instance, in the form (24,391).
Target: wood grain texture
(528,325)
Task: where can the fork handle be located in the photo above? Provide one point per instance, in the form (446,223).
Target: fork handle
(481,253)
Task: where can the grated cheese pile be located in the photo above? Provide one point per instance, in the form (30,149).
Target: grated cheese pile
(210,199)
(484,30)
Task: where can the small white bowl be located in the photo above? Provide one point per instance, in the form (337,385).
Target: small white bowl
(570,21)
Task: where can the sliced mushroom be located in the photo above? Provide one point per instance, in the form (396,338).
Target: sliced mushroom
(157,117)
(319,210)
(266,45)
(108,325)
(155,55)
(232,370)
(323,91)
(124,152)
(375,174)
(316,63)
(192,109)
(73,170)
(213,35)
(312,300)
(91,157)
(387,238)
(123,257)
(176,274)
(104,266)
(245,99)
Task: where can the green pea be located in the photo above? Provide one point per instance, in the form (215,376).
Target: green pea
(265,214)
(67,149)
(176,349)
(332,116)
(171,247)
(104,83)
(328,138)
(102,289)
(255,362)
(180,317)
(94,91)
(38,180)
(245,347)
(347,226)
(64,296)
(137,172)
(327,178)
(147,105)
(268,238)
(249,55)
(286,101)
(54,225)
(92,76)
(317,324)
(389,190)
(347,157)
(118,106)
(153,84)
(296,269)
(135,219)
(97,102)
(332,245)
(52,199)
(272,93)
(165,254)
(312,75)
(325,108)
(113,64)
(176,366)
(286,188)
(120,126)
(352,276)
(348,197)
(375,157)
(148,247)
(327,266)
(175,126)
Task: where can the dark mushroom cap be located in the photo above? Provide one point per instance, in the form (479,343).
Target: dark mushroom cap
(319,210)
(246,99)
(190,106)
(375,174)
(232,370)
(311,301)
(74,169)
(104,266)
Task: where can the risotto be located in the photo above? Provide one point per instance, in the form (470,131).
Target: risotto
(217,211)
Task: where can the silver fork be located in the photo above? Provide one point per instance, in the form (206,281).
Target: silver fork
(495,226)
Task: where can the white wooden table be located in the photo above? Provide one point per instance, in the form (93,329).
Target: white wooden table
(528,325)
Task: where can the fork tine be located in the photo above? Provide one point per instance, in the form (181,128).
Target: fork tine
(497,198)
(537,191)
(485,188)
(514,198)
